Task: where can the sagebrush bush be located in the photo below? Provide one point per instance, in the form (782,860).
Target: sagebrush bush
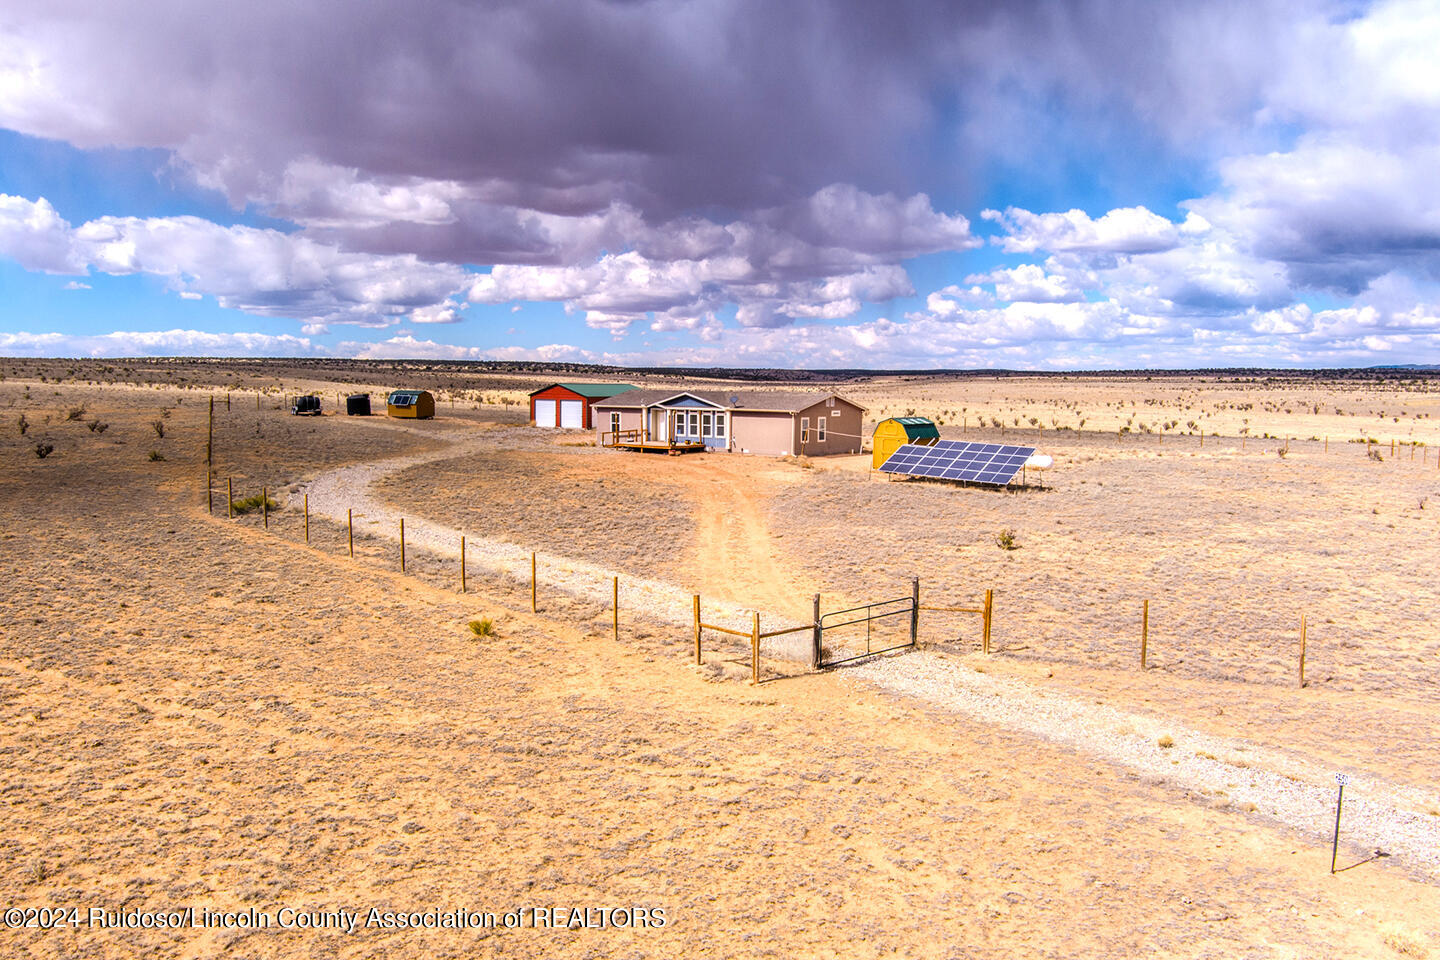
(156,455)
(1005,539)
(43,449)
(252,503)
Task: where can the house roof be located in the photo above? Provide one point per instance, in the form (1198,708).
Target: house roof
(590,390)
(769,401)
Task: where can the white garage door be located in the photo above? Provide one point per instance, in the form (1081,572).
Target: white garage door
(572,413)
(544,413)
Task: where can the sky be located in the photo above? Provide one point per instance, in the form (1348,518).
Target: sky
(917,184)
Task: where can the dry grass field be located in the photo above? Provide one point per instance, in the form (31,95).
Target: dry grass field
(212,713)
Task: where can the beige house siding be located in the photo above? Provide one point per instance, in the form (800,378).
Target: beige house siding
(768,434)
(629,420)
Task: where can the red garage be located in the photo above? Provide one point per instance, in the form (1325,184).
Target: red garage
(567,405)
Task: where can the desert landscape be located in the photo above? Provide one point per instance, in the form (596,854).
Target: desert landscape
(234,713)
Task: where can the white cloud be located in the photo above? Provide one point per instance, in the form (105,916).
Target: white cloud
(77,285)
(34,235)
(443,312)
(1030,282)
(1123,230)
(263,272)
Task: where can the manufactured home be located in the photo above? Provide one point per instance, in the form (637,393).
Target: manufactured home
(569,406)
(772,423)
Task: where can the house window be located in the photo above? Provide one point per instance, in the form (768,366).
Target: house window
(720,425)
(820,429)
(804,429)
(829,401)
(614,423)
(707,428)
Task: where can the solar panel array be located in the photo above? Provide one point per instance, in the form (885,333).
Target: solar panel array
(992,463)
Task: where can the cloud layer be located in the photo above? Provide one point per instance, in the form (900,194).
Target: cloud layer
(741,176)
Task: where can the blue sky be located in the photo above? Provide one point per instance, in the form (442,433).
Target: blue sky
(726,182)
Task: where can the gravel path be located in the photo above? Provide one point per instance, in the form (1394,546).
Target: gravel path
(1296,792)
(1292,791)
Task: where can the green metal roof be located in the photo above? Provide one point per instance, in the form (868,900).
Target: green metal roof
(592,390)
(918,427)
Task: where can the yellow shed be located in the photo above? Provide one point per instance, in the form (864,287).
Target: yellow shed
(418,404)
(894,433)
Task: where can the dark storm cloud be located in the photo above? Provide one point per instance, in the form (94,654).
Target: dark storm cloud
(665,106)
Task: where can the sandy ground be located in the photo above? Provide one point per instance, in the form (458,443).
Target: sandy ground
(200,711)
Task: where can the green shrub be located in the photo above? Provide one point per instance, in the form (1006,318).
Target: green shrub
(156,455)
(43,449)
(484,627)
(1005,539)
(252,503)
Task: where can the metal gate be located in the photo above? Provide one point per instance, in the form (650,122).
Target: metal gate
(883,622)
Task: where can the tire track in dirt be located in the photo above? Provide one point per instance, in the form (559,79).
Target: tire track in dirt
(734,547)
(348,488)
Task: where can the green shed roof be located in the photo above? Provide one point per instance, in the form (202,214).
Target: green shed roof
(917,428)
(592,390)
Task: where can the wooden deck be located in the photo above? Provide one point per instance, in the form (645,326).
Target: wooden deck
(635,440)
(658,446)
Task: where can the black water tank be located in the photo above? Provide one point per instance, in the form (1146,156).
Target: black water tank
(358,405)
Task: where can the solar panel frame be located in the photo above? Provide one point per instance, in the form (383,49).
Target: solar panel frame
(992,464)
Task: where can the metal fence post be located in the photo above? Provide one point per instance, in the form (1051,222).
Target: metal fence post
(914,610)
(815,638)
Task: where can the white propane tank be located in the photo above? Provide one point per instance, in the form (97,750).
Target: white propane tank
(1040,461)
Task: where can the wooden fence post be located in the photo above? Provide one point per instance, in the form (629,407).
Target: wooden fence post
(1302,651)
(229,498)
(615,605)
(1327,443)
(914,610)
(209,491)
(987,620)
(227,401)
(755,649)
(402,544)
(210,437)
(815,637)
(1144,632)
(265,505)
(462,563)
(307,518)
(350,530)
(696,602)
(532,582)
